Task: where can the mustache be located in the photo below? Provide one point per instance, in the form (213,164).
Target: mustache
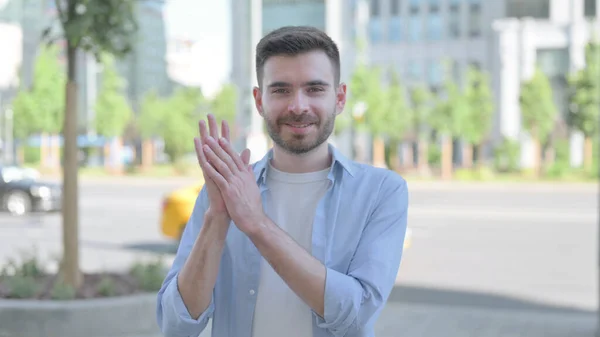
(298,119)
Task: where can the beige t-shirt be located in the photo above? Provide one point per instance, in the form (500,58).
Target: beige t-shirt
(291,203)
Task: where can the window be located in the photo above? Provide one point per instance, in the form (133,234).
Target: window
(589,9)
(375,12)
(434,29)
(395,7)
(375,31)
(395,33)
(415,28)
(456,71)
(454,22)
(434,6)
(415,6)
(474,19)
(539,9)
(435,74)
(414,70)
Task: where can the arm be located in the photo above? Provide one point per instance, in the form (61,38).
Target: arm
(185,300)
(345,302)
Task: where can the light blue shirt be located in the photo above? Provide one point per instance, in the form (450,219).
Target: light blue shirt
(358,234)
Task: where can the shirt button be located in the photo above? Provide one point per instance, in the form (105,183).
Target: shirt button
(251,291)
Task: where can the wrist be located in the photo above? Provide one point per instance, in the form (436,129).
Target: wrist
(217,224)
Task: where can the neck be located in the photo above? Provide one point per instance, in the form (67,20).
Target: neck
(315,160)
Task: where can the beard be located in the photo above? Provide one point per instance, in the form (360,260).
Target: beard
(300,143)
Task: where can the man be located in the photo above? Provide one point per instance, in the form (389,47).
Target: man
(302,243)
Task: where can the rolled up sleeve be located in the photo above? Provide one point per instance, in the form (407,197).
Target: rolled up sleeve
(354,299)
(173,317)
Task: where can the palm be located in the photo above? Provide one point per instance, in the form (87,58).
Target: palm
(217,204)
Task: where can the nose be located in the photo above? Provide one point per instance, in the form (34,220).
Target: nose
(298,103)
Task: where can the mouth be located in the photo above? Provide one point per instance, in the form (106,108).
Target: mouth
(299,126)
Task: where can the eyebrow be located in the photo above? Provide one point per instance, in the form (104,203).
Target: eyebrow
(306,84)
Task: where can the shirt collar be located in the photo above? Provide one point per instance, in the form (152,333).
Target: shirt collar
(338,159)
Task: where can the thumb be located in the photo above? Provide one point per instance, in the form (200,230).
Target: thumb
(246,156)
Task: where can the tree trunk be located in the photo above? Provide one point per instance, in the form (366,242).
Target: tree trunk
(537,157)
(408,158)
(44,150)
(467,157)
(588,153)
(147,153)
(70,217)
(378,152)
(446,158)
(423,160)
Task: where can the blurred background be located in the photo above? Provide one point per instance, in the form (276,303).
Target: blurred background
(489,109)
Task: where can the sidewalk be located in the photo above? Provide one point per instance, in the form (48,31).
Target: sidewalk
(416,320)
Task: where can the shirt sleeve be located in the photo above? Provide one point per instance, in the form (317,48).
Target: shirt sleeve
(355,298)
(173,317)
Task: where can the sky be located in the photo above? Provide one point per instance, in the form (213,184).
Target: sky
(209,23)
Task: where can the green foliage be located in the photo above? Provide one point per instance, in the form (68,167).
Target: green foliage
(180,125)
(152,113)
(450,111)
(584,114)
(99,26)
(537,106)
(149,276)
(477,121)
(224,105)
(41,108)
(21,287)
(113,111)
(396,116)
(421,104)
(106,287)
(506,156)
(365,87)
(62,291)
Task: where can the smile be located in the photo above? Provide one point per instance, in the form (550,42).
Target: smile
(299,126)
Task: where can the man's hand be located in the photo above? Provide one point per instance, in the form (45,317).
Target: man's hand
(236,181)
(217,205)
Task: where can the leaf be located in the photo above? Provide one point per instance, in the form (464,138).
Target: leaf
(537,106)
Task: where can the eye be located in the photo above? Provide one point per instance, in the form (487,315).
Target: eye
(316,89)
(280,91)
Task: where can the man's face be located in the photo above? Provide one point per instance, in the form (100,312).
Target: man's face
(299,100)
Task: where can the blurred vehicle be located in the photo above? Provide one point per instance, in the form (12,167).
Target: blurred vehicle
(177,209)
(21,192)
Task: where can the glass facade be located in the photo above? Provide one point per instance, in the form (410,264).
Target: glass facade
(277,14)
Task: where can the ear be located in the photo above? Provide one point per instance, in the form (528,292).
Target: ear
(257,93)
(340,98)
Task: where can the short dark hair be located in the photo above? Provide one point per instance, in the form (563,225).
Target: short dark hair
(295,40)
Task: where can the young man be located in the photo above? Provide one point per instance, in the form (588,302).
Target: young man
(302,243)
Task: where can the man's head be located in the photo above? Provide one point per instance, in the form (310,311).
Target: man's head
(299,92)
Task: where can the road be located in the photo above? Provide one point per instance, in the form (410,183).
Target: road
(504,249)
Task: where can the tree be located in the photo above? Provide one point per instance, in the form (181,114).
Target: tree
(224,104)
(397,118)
(446,119)
(538,112)
(420,101)
(95,27)
(113,112)
(149,122)
(584,112)
(40,109)
(185,107)
(477,121)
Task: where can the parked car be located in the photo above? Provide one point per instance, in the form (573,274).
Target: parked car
(178,205)
(21,192)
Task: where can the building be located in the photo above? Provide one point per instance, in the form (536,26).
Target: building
(505,38)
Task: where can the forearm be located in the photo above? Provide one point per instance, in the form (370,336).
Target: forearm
(304,274)
(198,275)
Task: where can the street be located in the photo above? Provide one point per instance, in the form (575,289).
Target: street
(522,256)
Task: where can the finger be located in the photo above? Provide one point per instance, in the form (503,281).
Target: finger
(212,126)
(225,130)
(245,156)
(226,157)
(237,160)
(208,171)
(216,162)
(203,131)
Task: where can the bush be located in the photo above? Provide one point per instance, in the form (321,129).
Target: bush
(506,156)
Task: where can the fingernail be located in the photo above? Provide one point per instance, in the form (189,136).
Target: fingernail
(223,140)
